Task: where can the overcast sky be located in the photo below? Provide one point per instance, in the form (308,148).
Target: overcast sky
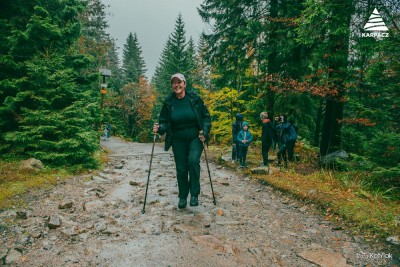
(153,21)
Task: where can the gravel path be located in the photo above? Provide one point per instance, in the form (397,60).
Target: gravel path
(96,220)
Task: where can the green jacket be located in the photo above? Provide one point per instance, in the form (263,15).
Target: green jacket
(200,110)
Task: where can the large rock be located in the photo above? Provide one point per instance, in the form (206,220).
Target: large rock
(54,222)
(31,165)
(260,170)
(395,240)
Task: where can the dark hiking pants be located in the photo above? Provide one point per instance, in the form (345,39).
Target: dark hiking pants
(235,151)
(187,161)
(282,154)
(243,154)
(264,152)
(290,149)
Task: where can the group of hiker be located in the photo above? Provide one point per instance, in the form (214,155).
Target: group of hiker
(275,133)
(186,121)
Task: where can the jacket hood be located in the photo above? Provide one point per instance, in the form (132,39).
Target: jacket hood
(239,117)
(246,123)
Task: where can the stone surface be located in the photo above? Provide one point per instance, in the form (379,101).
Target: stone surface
(250,225)
(31,165)
(54,222)
(324,258)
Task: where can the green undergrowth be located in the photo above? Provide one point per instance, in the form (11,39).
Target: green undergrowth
(15,184)
(343,197)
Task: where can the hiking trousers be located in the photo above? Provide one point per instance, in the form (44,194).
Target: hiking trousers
(243,154)
(282,154)
(264,151)
(187,161)
(290,149)
(235,151)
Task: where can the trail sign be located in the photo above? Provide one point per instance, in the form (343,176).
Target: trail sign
(105,72)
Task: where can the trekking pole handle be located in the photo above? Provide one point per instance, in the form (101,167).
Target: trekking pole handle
(158,127)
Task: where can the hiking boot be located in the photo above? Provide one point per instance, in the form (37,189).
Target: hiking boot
(194,201)
(182,203)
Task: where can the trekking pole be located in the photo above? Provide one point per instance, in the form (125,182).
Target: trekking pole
(148,177)
(209,174)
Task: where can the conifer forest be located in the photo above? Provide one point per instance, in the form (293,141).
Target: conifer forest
(313,61)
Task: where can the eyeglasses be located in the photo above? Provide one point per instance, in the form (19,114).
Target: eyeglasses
(263,118)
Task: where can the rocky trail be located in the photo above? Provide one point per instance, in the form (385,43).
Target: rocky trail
(96,220)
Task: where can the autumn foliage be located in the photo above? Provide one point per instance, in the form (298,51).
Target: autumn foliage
(137,102)
(223,105)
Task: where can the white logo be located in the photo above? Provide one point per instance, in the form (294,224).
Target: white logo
(375,22)
(375,26)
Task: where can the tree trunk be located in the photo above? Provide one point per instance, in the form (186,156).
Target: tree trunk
(318,123)
(338,62)
(331,138)
(272,57)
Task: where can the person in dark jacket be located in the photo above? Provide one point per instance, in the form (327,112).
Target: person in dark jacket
(244,138)
(236,127)
(275,136)
(282,131)
(266,136)
(186,122)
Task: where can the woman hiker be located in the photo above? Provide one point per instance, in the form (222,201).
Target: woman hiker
(186,122)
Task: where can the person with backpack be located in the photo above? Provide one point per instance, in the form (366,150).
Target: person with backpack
(186,121)
(236,127)
(244,138)
(266,136)
(283,137)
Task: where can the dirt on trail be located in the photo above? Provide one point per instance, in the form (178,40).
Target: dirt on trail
(97,220)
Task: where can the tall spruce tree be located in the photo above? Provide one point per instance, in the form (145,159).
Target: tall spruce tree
(94,39)
(116,82)
(162,73)
(177,56)
(46,107)
(177,59)
(133,63)
(330,44)
(250,41)
(203,72)
(371,117)
(227,44)
(192,64)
